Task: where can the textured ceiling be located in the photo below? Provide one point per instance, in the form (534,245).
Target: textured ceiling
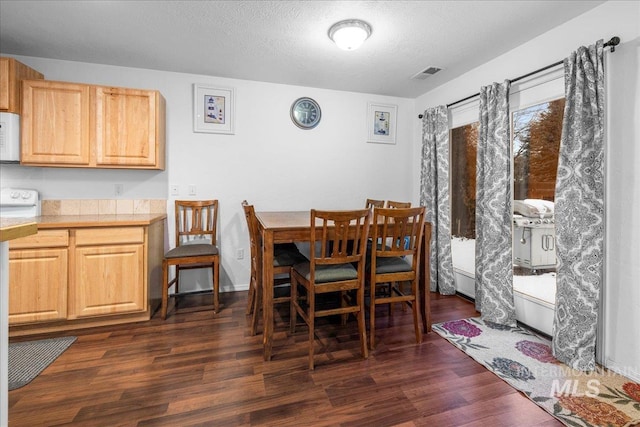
(283,41)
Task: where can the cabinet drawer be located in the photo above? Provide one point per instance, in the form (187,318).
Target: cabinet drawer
(43,239)
(110,235)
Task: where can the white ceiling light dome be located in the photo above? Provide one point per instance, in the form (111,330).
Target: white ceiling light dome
(350,33)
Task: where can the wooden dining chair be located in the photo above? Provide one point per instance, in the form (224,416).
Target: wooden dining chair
(373,203)
(285,255)
(395,263)
(336,267)
(395,205)
(196,238)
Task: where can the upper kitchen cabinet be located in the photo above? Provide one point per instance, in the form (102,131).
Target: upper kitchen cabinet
(55,124)
(130,126)
(77,125)
(12,72)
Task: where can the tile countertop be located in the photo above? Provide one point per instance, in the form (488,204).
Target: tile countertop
(73,221)
(13,228)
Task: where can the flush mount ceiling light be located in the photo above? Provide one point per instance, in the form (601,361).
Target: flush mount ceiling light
(350,33)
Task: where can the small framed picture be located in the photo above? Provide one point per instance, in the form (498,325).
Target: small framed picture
(381,123)
(213,109)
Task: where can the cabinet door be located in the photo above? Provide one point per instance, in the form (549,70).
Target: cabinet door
(4,84)
(12,72)
(127,131)
(108,279)
(55,123)
(37,285)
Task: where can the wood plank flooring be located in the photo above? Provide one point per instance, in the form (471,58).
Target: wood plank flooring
(201,369)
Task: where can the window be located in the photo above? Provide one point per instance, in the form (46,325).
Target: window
(536,133)
(536,143)
(464,144)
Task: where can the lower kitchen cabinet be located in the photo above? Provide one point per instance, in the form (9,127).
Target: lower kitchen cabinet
(109,272)
(38,272)
(82,277)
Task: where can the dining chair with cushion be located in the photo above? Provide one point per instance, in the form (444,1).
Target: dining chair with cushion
(372,203)
(395,205)
(285,255)
(196,246)
(395,263)
(334,267)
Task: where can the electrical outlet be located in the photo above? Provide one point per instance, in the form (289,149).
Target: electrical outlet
(240,253)
(174,190)
(192,189)
(119,188)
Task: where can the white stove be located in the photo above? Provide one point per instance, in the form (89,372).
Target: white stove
(19,203)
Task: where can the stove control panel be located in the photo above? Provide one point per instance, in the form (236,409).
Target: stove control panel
(18,197)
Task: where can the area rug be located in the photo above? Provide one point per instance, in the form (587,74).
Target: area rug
(524,360)
(27,359)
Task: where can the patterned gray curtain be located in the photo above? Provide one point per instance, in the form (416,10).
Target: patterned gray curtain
(579,210)
(434,194)
(494,263)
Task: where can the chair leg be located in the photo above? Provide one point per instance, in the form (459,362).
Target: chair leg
(251,297)
(343,303)
(311,314)
(216,286)
(372,317)
(165,289)
(177,290)
(362,328)
(257,310)
(417,318)
(293,312)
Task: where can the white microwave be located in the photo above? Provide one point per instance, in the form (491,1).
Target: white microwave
(9,138)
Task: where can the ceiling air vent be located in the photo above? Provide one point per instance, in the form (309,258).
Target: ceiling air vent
(430,71)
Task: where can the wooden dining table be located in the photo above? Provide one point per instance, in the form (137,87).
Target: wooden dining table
(295,226)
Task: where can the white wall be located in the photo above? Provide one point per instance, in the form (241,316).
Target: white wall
(269,161)
(614,18)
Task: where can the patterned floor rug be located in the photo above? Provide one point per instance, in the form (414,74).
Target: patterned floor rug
(27,359)
(524,361)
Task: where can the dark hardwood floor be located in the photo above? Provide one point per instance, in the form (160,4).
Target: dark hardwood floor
(201,369)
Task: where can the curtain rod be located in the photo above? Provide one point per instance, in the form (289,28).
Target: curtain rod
(613,42)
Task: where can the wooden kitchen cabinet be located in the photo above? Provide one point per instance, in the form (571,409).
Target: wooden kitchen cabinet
(129,127)
(38,271)
(77,277)
(12,72)
(109,272)
(77,125)
(55,124)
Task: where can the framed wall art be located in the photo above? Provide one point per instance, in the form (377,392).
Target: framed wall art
(381,123)
(213,109)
